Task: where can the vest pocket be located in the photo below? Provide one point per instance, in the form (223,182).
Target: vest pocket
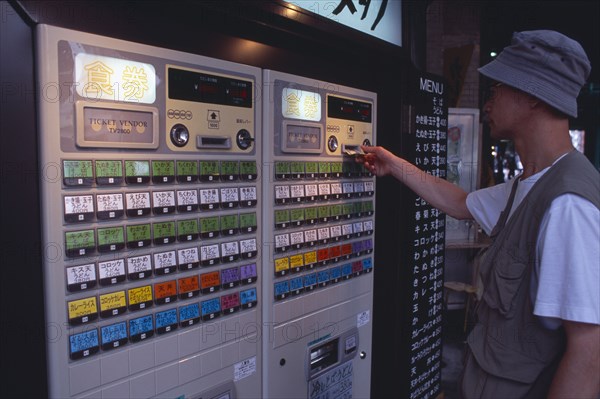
(506,280)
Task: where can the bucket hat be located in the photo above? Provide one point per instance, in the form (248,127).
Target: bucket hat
(545,64)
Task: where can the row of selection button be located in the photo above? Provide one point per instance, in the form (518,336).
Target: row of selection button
(321,257)
(321,170)
(80,243)
(78,173)
(110,272)
(112,304)
(321,236)
(299,193)
(297,217)
(107,206)
(304,284)
(116,335)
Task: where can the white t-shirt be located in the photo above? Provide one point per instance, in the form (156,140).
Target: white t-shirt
(566,279)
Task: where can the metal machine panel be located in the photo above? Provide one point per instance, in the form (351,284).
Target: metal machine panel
(318,238)
(151,209)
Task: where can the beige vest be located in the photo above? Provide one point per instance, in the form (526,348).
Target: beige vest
(512,354)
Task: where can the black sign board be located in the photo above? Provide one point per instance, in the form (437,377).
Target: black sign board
(426,148)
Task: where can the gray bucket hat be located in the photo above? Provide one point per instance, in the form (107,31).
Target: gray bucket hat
(545,64)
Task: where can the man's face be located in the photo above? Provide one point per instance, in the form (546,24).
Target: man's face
(503,111)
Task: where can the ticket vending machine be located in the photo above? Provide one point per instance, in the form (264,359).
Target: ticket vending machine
(318,237)
(151,209)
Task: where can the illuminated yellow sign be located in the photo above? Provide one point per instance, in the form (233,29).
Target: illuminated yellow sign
(301,104)
(106,78)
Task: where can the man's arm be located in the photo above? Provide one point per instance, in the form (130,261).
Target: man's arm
(578,374)
(438,192)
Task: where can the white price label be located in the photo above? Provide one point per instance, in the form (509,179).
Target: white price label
(109,202)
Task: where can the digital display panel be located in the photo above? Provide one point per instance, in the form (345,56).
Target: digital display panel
(83,344)
(352,110)
(207,88)
(113,335)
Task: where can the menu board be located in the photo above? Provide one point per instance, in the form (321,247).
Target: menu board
(426,237)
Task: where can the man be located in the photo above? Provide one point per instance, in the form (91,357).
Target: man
(538,328)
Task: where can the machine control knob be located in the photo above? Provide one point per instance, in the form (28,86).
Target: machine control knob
(367,142)
(180,135)
(332,143)
(244,139)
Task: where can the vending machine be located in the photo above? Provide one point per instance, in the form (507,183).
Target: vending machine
(318,235)
(151,205)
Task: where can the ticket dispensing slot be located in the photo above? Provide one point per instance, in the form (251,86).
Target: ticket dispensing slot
(325,356)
